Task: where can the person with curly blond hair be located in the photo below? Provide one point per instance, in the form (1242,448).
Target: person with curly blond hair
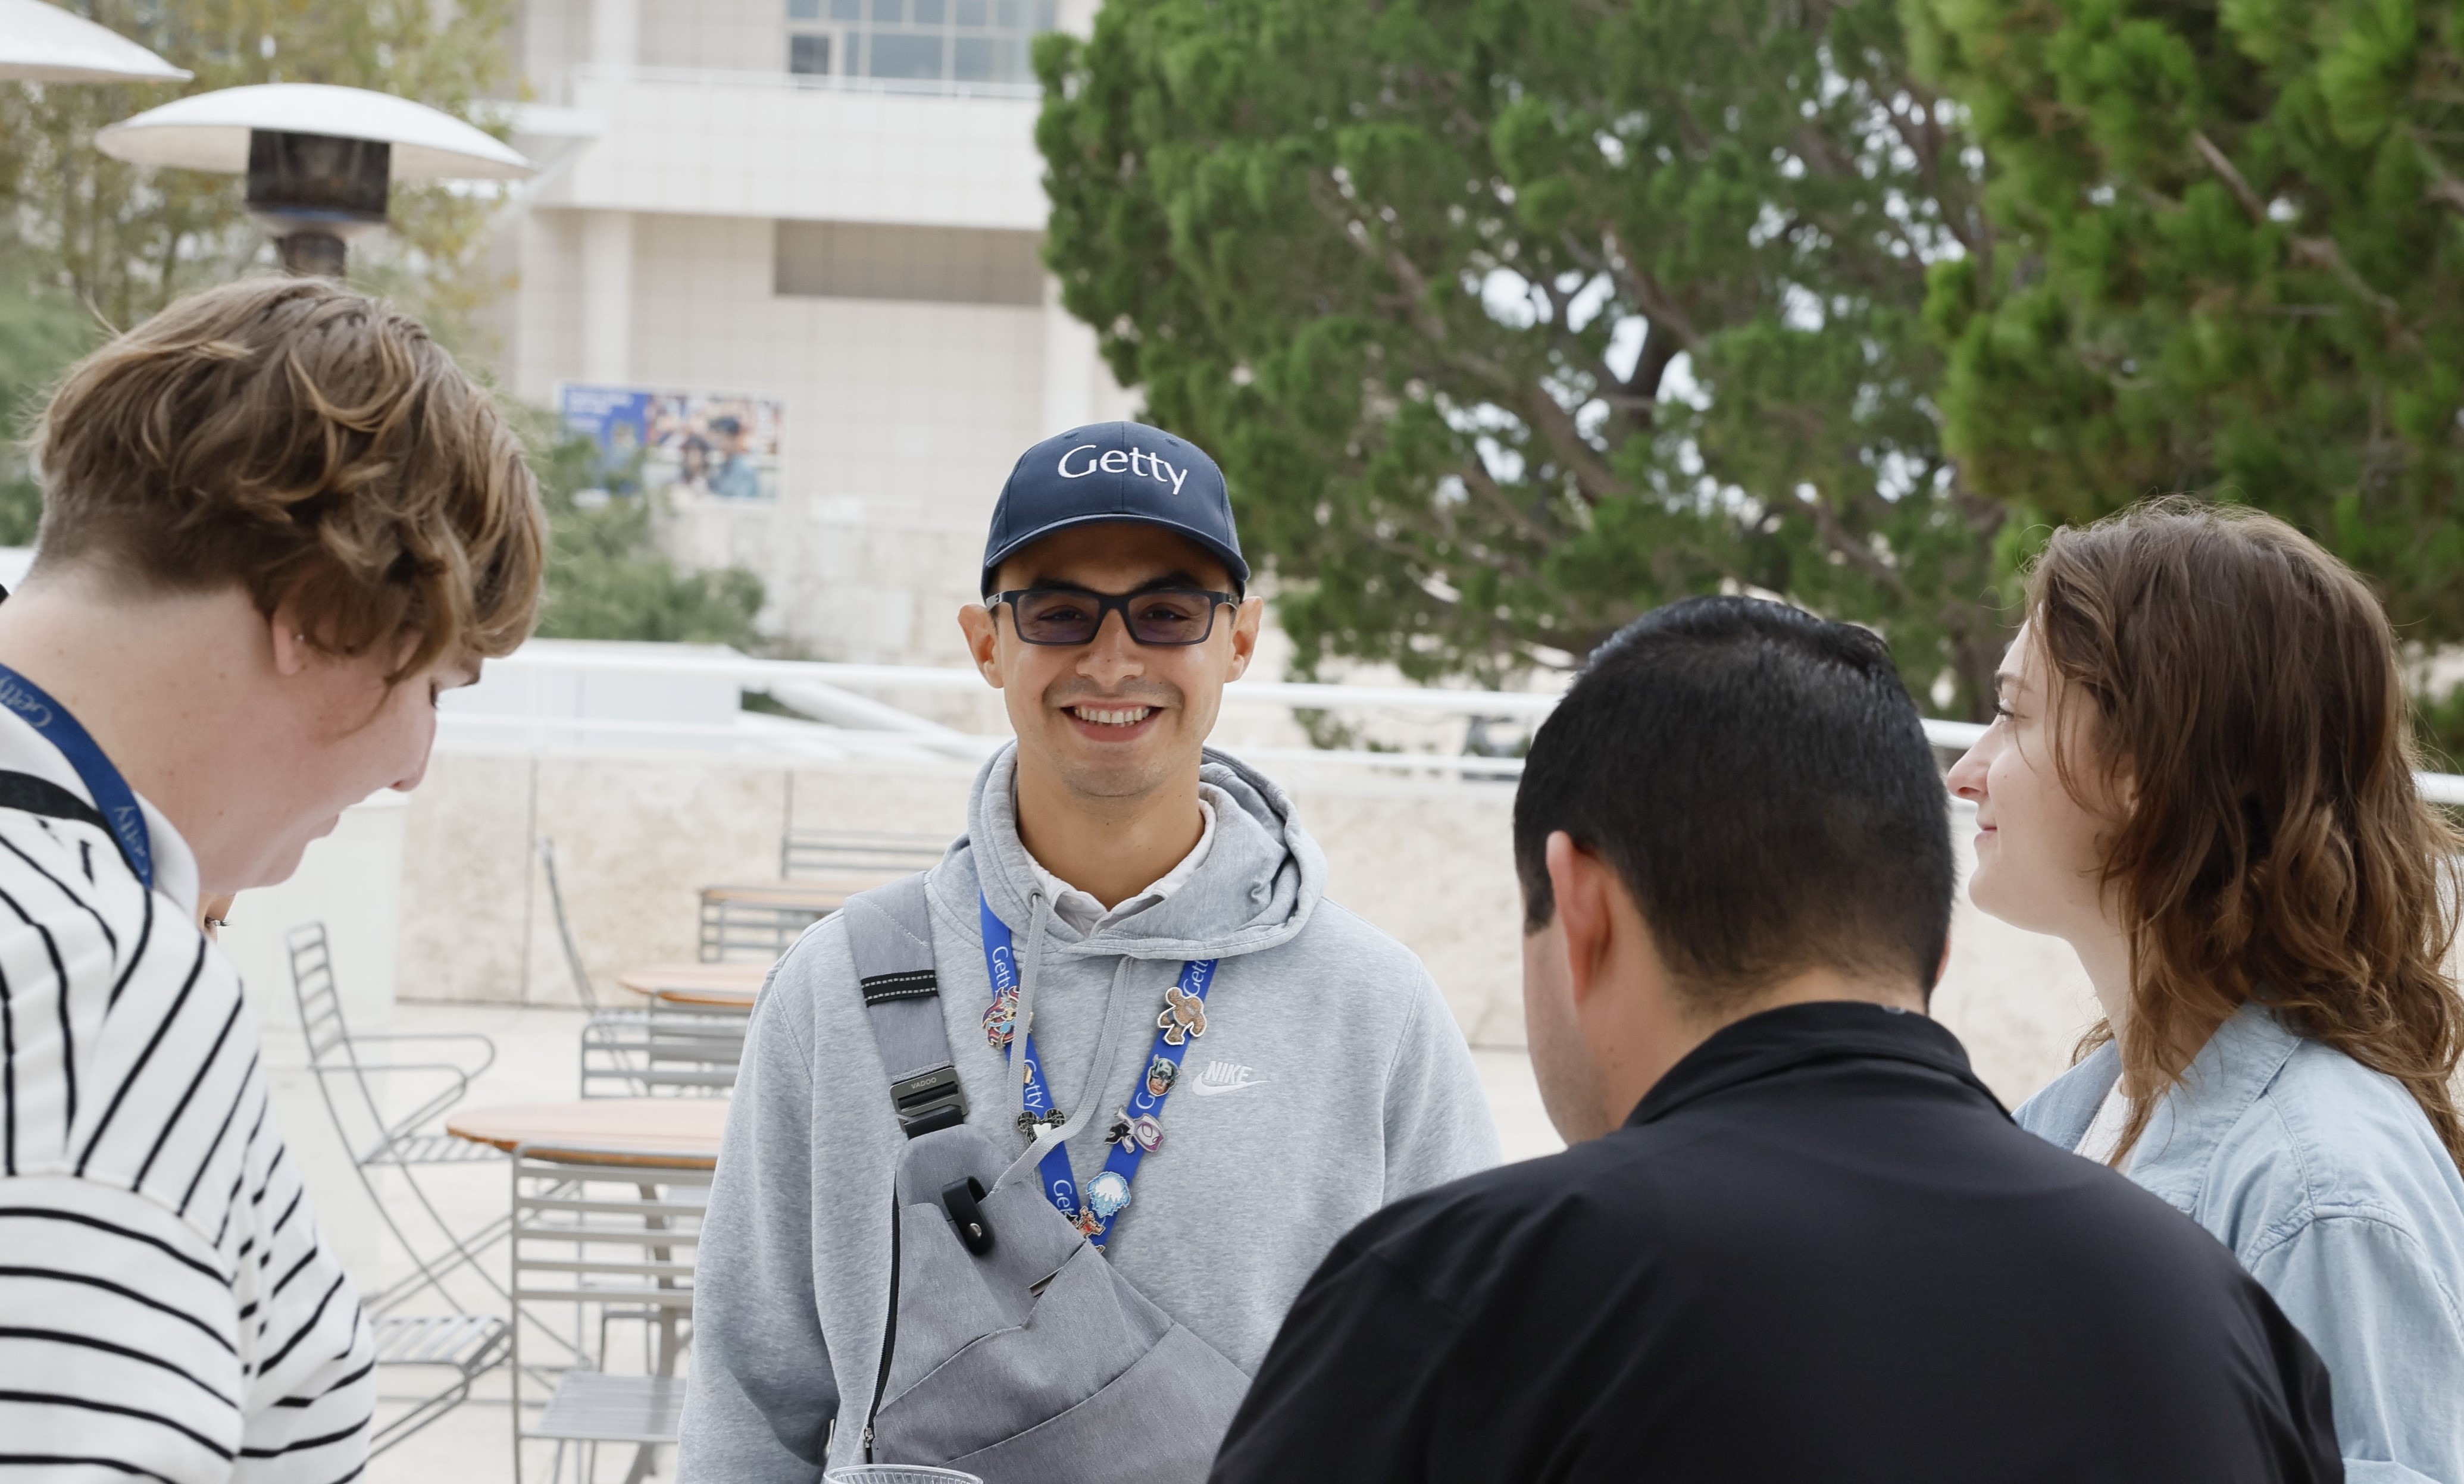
(279,521)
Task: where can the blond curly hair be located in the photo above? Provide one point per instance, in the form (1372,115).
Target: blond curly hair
(309,443)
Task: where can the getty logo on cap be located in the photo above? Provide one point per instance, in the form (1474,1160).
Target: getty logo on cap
(1149,476)
(1118,461)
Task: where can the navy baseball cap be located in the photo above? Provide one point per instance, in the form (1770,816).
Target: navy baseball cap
(1114,471)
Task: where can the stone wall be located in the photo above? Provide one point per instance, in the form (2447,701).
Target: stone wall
(638,835)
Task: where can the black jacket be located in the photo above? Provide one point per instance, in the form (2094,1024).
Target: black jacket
(1819,1250)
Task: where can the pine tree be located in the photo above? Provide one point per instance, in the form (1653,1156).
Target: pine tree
(1510,319)
(2232,262)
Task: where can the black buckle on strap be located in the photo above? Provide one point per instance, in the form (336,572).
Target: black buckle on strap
(929,1101)
(963,1200)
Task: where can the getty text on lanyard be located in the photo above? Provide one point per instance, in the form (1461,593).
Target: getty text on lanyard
(113,799)
(1139,1130)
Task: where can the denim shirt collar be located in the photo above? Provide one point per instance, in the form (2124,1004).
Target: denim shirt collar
(2172,1158)
(2062,1109)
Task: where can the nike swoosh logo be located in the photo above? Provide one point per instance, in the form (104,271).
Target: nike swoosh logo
(1205,1088)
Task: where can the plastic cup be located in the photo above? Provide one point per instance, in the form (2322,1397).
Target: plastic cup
(896,1473)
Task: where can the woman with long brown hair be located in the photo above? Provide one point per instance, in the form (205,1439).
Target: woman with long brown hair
(2200,776)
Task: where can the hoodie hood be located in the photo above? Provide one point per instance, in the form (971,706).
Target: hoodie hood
(1260,881)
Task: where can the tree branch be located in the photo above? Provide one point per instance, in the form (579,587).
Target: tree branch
(2444,187)
(1592,477)
(1347,221)
(2316,251)
(1646,292)
(1476,478)
(1660,350)
(2221,163)
(1857,554)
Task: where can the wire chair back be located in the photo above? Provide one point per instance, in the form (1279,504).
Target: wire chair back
(320,998)
(663,1053)
(582,988)
(827,852)
(608,1239)
(739,925)
(462,1343)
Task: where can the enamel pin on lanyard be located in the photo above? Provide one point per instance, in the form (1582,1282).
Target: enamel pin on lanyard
(1139,1130)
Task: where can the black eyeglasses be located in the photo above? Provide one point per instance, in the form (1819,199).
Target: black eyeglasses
(1074,615)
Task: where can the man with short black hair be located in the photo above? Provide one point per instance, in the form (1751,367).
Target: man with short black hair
(1795,1237)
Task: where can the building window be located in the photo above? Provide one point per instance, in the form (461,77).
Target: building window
(949,264)
(979,41)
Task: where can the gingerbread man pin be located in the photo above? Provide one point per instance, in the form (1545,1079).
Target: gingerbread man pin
(1184,1019)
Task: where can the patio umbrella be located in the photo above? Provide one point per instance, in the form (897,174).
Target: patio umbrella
(319,160)
(209,131)
(43,43)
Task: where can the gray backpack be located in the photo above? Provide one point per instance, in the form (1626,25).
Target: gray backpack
(1012,1350)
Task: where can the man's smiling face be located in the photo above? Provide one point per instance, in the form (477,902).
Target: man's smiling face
(1112,718)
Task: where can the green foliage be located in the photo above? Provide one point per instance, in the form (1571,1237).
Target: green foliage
(2439,723)
(2232,261)
(87,241)
(1389,263)
(39,336)
(608,580)
(124,241)
(606,577)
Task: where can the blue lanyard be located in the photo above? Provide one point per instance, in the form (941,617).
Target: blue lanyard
(112,797)
(1183,1021)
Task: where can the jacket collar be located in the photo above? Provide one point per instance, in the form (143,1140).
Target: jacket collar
(1778,1040)
(2062,1111)
(1260,881)
(2228,1074)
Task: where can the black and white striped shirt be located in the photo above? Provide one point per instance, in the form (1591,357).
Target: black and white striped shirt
(166,1310)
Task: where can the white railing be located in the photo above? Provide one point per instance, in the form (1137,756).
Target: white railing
(801,83)
(755,674)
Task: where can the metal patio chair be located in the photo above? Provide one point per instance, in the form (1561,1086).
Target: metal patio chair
(612,1236)
(611,1038)
(761,920)
(460,1343)
(667,1053)
(658,1050)
(805,853)
(819,870)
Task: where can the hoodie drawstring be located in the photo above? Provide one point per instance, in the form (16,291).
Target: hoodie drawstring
(1039,917)
(1091,1096)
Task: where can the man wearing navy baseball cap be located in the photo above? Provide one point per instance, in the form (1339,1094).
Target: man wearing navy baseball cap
(1134,961)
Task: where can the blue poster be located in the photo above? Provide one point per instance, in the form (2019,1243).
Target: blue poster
(692,445)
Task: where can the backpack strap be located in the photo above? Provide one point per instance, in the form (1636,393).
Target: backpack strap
(890,930)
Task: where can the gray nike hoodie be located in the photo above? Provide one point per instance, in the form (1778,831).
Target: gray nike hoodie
(1330,1080)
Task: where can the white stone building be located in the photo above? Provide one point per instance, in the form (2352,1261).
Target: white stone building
(835,207)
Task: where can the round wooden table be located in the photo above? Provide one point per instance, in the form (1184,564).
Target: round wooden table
(704,986)
(667,1133)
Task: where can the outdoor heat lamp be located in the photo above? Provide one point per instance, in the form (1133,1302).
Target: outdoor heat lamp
(313,192)
(43,43)
(319,160)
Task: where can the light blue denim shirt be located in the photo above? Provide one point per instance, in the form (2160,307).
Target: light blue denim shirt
(2328,1182)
